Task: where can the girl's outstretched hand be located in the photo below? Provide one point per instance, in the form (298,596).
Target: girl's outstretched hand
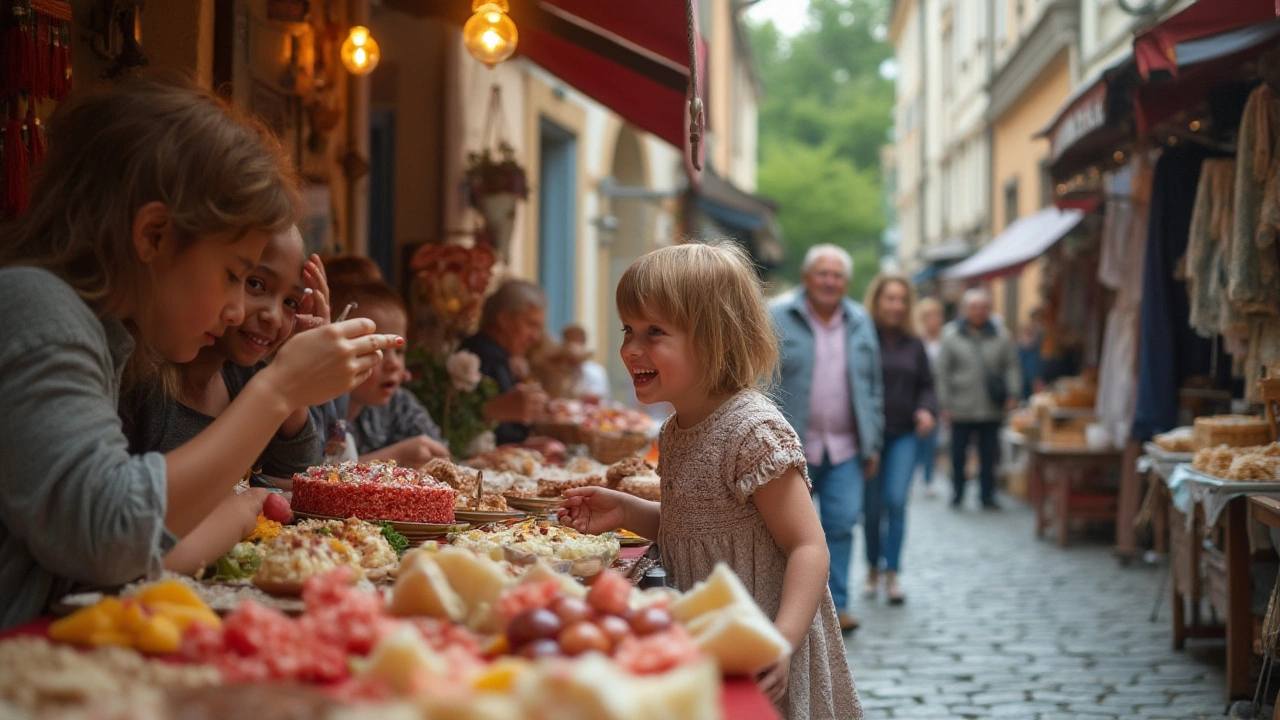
(593,510)
(314,310)
(317,366)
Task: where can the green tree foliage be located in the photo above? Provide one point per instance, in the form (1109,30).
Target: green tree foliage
(827,112)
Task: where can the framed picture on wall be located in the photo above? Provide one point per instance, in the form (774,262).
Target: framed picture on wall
(283,114)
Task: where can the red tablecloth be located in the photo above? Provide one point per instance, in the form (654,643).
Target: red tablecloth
(741,699)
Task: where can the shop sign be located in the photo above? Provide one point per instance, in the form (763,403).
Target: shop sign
(1087,114)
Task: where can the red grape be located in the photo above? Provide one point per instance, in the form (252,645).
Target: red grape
(544,647)
(584,637)
(614,627)
(534,624)
(610,594)
(571,610)
(650,620)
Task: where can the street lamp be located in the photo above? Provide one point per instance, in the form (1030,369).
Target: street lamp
(360,52)
(490,35)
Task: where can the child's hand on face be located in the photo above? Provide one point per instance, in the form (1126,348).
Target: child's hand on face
(314,310)
(593,510)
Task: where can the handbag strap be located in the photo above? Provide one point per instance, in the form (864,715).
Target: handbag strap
(977,346)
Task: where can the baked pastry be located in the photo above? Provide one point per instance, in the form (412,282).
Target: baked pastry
(510,459)
(1253,467)
(1231,430)
(552,482)
(1215,461)
(647,487)
(373,491)
(626,468)
(488,502)
(1181,440)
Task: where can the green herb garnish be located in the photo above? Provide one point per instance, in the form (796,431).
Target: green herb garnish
(398,542)
(242,562)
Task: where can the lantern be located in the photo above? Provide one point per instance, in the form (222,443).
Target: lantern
(360,52)
(490,35)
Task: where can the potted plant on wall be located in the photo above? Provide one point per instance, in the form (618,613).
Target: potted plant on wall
(496,183)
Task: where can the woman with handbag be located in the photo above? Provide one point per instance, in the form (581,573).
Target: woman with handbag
(978,380)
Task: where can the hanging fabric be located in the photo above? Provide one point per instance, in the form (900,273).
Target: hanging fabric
(1253,269)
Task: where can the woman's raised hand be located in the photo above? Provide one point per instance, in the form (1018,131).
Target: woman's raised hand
(315,367)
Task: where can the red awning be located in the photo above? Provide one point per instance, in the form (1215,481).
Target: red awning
(1155,48)
(631,57)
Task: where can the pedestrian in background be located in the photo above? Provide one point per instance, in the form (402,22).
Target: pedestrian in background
(910,413)
(929,322)
(978,380)
(831,391)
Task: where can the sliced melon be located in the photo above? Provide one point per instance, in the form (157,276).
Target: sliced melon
(685,693)
(423,589)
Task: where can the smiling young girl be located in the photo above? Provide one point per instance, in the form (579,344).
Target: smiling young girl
(734,485)
(157,421)
(154,202)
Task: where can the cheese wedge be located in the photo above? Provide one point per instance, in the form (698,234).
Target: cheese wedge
(721,589)
(423,589)
(739,638)
(401,655)
(479,582)
(542,571)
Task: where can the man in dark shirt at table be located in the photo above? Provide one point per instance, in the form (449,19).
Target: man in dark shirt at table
(510,323)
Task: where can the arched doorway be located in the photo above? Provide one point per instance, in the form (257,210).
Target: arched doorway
(629,240)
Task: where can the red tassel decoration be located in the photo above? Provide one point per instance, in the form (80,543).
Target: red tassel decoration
(15,57)
(16,167)
(40,54)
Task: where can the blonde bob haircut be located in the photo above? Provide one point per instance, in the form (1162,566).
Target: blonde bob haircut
(710,291)
(219,173)
(876,289)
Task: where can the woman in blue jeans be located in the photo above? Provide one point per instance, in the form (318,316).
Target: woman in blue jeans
(910,410)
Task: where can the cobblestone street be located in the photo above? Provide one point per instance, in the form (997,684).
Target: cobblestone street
(998,624)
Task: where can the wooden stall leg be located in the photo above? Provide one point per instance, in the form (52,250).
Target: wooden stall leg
(1062,480)
(1129,502)
(1239,622)
(1035,490)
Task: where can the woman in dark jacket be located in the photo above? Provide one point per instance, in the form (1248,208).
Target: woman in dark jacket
(910,413)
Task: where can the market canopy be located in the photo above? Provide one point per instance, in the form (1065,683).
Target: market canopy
(1096,119)
(631,57)
(1160,48)
(1023,241)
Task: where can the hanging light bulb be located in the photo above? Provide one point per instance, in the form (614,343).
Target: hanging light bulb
(360,52)
(490,35)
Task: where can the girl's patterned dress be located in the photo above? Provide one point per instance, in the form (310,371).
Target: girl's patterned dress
(709,473)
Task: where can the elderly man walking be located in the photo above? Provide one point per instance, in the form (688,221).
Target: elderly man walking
(832,393)
(978,378)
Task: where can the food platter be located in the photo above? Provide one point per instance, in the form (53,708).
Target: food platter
(537,506)
(630,539)
(480,517)
(411,530)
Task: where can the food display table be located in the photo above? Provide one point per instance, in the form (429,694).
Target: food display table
(1064,486)
(1209,542)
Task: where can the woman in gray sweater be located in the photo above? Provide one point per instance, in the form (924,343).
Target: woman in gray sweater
(154,201)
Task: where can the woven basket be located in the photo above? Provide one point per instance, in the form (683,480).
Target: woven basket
(612,447)
(566,432)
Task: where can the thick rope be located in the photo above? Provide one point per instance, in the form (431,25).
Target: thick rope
(695,99)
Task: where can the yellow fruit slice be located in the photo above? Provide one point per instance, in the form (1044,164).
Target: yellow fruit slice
(160,636)
(171,591)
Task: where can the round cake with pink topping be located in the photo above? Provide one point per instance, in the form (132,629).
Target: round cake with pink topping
(373,491)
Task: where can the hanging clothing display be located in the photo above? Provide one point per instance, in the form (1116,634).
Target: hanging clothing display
(1253,266)
(1211,223)
(1170,351)
(1120,266)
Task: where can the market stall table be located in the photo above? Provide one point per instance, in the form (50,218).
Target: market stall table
(1202,506)
(741,699)
(1057,477)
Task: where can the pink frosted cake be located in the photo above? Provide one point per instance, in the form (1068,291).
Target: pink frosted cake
(373,491)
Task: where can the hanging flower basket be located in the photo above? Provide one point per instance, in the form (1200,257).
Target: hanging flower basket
(490,173)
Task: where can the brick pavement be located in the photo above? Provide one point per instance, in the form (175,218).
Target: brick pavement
(1000,625)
